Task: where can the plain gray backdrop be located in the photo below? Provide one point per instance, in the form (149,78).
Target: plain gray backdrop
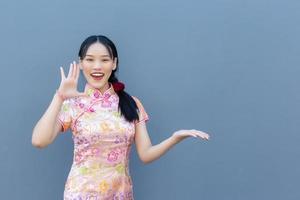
(227,67)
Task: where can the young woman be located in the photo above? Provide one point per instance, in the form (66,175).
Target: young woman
(105,121)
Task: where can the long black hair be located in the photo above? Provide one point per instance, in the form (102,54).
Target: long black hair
(127,104)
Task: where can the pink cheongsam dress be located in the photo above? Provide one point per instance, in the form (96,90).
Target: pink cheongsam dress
(102,142)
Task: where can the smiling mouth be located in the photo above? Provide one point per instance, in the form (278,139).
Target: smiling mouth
(97,76)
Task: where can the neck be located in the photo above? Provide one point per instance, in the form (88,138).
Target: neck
(104,88)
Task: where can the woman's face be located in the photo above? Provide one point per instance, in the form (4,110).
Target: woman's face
(97,65)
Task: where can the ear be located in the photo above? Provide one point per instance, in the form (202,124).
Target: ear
(115,64)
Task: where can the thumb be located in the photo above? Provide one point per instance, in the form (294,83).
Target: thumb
(81,94)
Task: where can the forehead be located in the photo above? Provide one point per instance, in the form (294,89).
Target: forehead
(97,49)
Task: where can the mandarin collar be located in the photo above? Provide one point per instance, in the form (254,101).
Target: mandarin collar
(95,93)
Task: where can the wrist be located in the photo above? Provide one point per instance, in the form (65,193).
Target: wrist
(60,95)
(175,138)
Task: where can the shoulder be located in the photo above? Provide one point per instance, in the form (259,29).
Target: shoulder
(138,102)
(71,102)
(136,99)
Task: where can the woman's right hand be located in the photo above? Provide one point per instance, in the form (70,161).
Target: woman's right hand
(68,85)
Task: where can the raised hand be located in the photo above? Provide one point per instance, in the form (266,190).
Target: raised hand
(182,134)
(68,85)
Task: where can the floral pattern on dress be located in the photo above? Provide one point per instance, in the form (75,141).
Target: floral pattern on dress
(102,142)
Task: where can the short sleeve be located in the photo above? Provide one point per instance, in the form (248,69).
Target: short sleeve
(65,115)
(143,116)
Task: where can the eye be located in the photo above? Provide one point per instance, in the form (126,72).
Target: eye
(89,59)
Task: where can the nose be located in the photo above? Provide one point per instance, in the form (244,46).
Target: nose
(98,65)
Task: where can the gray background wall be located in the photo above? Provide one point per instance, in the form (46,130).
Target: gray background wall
(227,67)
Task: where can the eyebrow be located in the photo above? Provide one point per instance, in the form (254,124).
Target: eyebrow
(101,56)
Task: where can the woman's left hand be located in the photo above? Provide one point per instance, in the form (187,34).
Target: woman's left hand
(182,134)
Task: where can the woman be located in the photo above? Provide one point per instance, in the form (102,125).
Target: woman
(105,121)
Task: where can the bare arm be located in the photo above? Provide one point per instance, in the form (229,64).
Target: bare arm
(148,152)
(48,127)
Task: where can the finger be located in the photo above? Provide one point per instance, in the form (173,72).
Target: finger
(74,70)
(62,73)
(206,137)
(203,136)
(201,133)
(70,71)
(81,94)
(193,134)
(77,72)
(198,133)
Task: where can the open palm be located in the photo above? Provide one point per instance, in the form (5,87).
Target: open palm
(182,134)
(68,85)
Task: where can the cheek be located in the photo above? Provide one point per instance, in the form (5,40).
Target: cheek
(86,68)
(86,71)
(107,69)
(108,73)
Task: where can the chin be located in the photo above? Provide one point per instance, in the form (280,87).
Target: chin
(98,84)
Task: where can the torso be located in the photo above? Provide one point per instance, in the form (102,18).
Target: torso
(102,142)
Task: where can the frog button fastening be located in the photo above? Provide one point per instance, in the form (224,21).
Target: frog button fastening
(97,94)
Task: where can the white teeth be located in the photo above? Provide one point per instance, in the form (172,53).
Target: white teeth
(97,74)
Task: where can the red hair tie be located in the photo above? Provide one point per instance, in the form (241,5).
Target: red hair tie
(118,86)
